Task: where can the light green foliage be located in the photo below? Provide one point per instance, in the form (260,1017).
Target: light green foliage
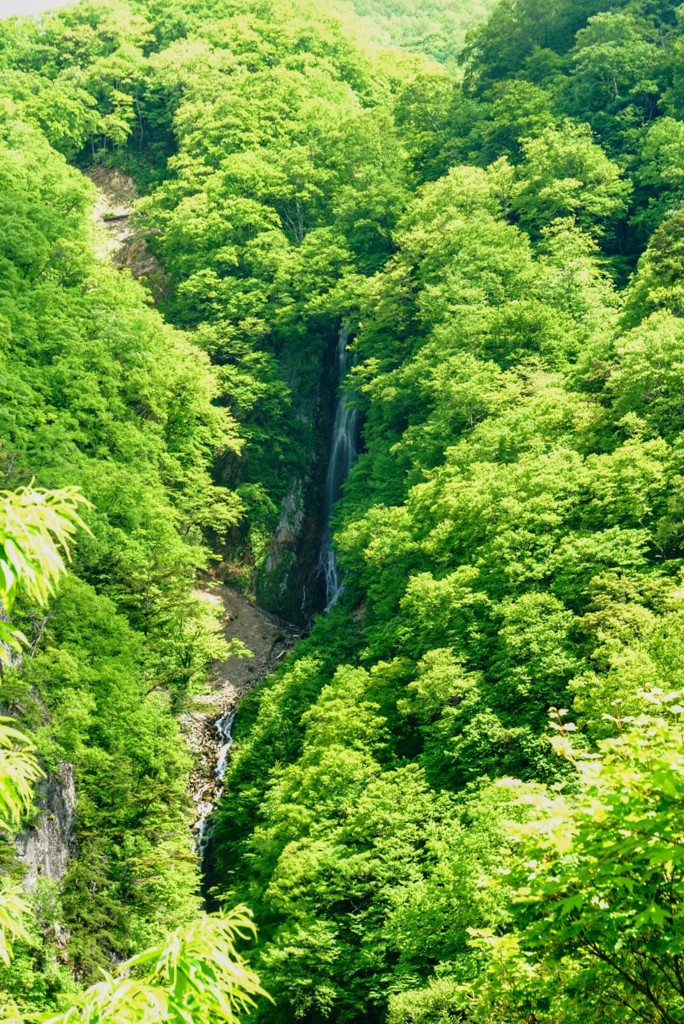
(509,546)
(618,72)
(565,174)
(657,285)
(599,880)
(197,973)
(519,110)
(78,75)
(266,212)
(439,1003)
(98,393)
(20,772)
(195,976)
(13,906)
(36,528)
(660,169)
(435,27)
(511,532)
(518,30)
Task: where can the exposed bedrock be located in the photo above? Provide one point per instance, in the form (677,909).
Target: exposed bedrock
(47,846)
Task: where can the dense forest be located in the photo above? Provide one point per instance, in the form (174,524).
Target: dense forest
(450,235)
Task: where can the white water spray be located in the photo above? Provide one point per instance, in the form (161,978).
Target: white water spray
(342,455)
(205,806)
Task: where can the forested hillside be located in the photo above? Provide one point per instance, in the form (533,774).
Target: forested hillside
(434,27)
(99,393)
(460,798)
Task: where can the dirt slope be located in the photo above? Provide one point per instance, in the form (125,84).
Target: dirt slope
(268,639)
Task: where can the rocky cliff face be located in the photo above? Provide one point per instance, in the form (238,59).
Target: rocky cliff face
(290,583)
(281,584)
(46,848)
(11,656)
(118,238)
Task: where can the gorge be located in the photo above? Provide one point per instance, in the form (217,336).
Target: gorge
(343,449)
(341,524)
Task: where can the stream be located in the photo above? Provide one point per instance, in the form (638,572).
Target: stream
(205,806)
(208,725)
(342,454)
(343,451)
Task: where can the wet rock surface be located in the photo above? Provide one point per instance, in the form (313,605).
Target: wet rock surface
(268,639)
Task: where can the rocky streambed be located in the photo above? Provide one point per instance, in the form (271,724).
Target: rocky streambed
(207,726)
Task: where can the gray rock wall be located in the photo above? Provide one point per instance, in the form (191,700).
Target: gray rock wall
(46,848)
(13,658)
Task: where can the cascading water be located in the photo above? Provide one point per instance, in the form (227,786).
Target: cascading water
(342,455)
(209,793)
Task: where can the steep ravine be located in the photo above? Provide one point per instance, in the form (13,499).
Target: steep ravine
(290,582)
(343,451)
(300,577)
(310,584)
(268,640)
(267,637)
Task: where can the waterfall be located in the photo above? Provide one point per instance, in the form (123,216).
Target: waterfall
(205,798)
(342,455)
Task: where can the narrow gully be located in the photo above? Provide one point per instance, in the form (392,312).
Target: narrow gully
(343,451)
(224,730)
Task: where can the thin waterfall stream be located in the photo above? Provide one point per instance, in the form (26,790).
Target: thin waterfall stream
(208,725)
(343,451)
(342,454)
(267,637)
(205,806)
